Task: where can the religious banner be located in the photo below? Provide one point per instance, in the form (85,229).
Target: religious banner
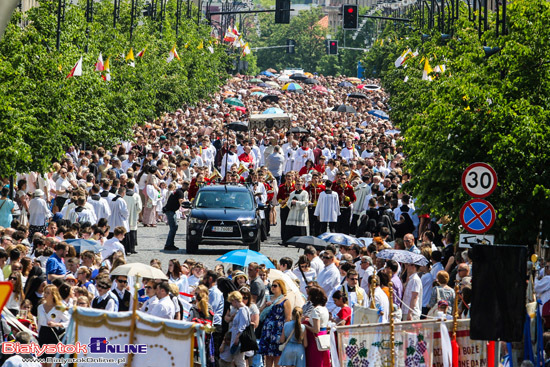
(416,344)
(471,353)
(104,339)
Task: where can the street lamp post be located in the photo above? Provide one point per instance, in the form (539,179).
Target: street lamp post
(89,19)
(60,11)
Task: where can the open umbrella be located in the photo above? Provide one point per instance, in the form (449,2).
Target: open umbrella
(255,80)
(357,95)
(303,241)
(142,270)
(272,84)
(240,109)
(245,257)
(270,97)
(371,87)
(284,78)
(309,75)
(267,73)
(320,88)
(354,80)
(340,239)
(293,293)
(237,126)
(299,130)
(345,84)
(258,94)
(298,76)
(311,81)
(263,85)
(256,89)
(234,102)
(273,110)
(271,70)
(380,114)
(81,245)
(403,256)
(344,108)
(292,87)
(228,93)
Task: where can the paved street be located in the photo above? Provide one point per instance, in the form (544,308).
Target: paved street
(151,244)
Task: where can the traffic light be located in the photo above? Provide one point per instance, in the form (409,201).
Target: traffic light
(282,11)
(332,47)
(350,16)
(290,45)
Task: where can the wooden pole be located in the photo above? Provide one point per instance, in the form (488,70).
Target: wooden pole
(392,328)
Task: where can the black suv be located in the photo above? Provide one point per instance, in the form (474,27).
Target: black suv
(225,215)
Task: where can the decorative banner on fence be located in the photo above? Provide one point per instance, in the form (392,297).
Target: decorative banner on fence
(107,335)
(417,344)
(471,353)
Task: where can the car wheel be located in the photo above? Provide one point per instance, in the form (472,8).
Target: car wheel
(191,247)
(255,246)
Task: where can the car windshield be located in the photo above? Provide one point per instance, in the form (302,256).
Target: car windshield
(224,200)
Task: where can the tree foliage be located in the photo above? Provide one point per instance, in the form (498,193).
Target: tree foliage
(493,110)
(43,111)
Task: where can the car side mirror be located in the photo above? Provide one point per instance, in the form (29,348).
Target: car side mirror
(261,206)
(186,205)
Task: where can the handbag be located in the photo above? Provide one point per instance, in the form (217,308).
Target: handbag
(323,342)
(247,339)
(282,346)
(433,310)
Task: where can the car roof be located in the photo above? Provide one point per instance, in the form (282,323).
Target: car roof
(232,188)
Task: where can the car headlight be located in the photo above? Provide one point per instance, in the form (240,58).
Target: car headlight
(194,220)
(247,222)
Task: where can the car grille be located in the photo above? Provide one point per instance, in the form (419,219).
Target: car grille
(209,232)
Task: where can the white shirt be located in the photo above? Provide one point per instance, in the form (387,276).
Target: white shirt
(149,304)
(414,284)
(381,299)
(349,153)
(101,207)
(317,264)
(39,212)
(17,361)
(54,315)
(329,278)
(310,274)
(119,214)
(164,308)
(111,304)
(110,246)
(300,158)
(62,184)
(328,207)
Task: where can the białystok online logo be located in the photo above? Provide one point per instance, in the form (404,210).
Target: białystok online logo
(97,345)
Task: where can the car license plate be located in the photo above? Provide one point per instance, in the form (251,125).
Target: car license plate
(222,229)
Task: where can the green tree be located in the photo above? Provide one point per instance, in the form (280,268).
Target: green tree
(303,28)
(43,111)
(494,110)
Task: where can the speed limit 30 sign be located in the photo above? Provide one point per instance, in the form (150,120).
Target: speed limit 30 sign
(479,180)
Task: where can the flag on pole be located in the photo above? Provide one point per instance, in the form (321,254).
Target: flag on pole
(107,68)
(440,68)
(201,45)
(142,52)
(401,58)
(246,49)
(229,36)
(236,31)
(238,42)
(210,48)
(173,54)
(130,57)
(427,70)
(99,64)
(77,69)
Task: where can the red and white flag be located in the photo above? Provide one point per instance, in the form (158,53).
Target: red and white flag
(107,76)
(77,69)
(99,64)
(229,35)
(142,52)
(173,54)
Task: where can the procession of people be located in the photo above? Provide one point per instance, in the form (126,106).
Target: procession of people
(343,173)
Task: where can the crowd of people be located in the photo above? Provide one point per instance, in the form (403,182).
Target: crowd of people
(344,174)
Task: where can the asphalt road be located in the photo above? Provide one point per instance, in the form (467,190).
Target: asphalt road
(151,244)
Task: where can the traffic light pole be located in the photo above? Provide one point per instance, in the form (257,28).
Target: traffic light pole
(209,14)
(385,18)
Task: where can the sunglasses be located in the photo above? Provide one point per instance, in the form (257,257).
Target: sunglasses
(356,279)
(12,278)
(82,304)
(327,257)
(274,286)
(103,287)
(303,266)
(122,281)
(148,287)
